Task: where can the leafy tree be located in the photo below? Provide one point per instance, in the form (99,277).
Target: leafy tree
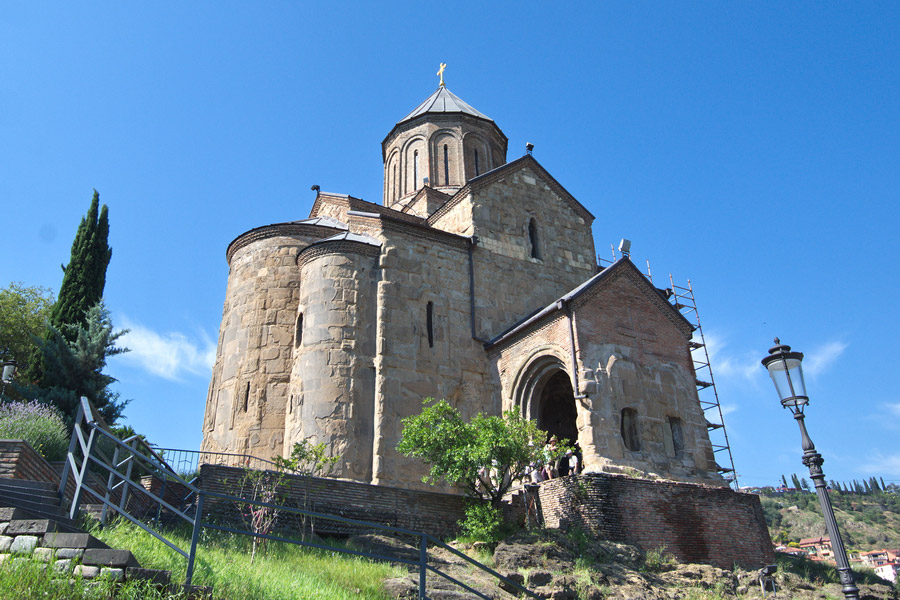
(83,280)
(483,456)
(24,312)
(75,367)
(804,484)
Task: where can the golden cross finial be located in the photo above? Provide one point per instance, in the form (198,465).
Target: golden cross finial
(441,73)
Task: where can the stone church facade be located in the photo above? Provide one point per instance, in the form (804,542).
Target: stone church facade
(475,280)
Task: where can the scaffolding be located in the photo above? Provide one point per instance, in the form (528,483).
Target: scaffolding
(682,298)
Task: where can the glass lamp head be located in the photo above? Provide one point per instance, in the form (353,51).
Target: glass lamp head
(786,372)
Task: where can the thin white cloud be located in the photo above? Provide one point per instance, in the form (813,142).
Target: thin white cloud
(724,365)
(882,465)
(894,409)
(168,355)
(817,361)
(727,409)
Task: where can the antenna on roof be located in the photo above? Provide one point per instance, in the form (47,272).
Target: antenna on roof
(625,248)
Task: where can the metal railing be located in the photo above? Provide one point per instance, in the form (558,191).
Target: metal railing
(90,429)
(187,462)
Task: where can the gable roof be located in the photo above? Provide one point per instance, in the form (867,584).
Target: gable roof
(485,179)
(623,265)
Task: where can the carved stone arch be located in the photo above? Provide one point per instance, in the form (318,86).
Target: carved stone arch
(543,391)
(408,170)
(446,146)
(392,177)
(477,154)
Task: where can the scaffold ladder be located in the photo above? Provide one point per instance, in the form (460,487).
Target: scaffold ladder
(684,301)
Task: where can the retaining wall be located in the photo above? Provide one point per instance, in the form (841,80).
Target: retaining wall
(696,523)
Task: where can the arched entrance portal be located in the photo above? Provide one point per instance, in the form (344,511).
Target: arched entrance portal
(556,407)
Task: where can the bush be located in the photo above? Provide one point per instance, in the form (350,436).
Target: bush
(483,522)
(38,424)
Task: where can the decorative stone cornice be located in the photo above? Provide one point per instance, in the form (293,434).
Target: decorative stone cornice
(336,247)
(315,232)
(360,205)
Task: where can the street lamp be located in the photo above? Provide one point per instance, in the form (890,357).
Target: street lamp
(9,370)
(787,373)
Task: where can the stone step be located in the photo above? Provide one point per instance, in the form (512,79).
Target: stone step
(11,484)
(154,576)
(31,527)
(41,497)
(60,539)
(8,513)
(107,557)
(30,510)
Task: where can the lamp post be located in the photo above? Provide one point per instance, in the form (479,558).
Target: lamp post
(9,370)
(787,373)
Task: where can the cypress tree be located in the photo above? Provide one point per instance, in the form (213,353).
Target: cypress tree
(85,276)
(83,281)
(883,487)
(784,481)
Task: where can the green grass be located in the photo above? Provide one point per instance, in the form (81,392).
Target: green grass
(280,571)
(26,579)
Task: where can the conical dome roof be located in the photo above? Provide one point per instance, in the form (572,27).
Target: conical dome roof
(443,101)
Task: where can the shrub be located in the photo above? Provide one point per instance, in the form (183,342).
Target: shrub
(38,424)
(658,560)
(483,522)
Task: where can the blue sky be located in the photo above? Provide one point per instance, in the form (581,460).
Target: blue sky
(751,147)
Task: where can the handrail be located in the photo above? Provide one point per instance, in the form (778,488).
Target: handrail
(96,429)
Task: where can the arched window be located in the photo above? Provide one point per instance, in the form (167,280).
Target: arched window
(415,170)
(394,186)
(673,437)
(533,239)
(298,334)
(630,429)
(429,323)
(446,165)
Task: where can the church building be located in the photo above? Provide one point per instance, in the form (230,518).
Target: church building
(475,280)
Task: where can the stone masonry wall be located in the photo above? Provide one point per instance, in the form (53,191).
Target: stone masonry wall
(696,523)
(634,354)
(418,268)
(509,282)
(249,388)
(332,389)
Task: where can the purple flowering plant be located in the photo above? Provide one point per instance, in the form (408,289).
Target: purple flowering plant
(38,424)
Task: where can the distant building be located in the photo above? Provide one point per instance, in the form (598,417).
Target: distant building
(888,571)
(819,547)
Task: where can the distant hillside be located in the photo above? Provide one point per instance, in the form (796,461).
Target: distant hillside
(867,521)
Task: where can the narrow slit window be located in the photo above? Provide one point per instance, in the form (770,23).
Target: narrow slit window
(533,239)
(429,323)
(394,186)
(677,436)
(415,170)
(298,335)
(630,429)
(477,167)
(446,165)
(246,396)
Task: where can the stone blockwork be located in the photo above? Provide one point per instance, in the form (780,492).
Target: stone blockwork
(696,523)
(481,288)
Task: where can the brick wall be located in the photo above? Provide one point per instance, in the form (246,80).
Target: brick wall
(431,512)
(18,460)
(696,523)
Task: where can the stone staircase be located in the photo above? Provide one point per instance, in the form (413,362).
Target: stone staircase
(34,525)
